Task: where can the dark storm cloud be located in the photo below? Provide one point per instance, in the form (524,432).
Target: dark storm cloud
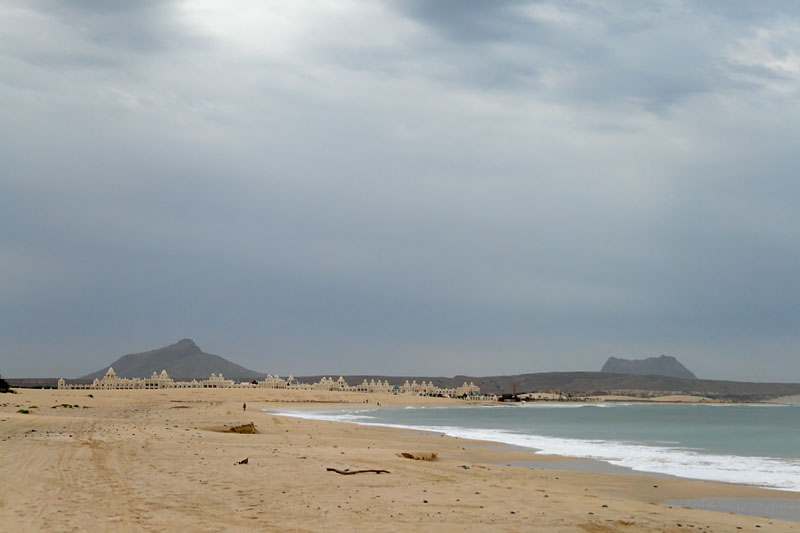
(410,187)
(470,21)
(95,36)
(126,26)
(653,55)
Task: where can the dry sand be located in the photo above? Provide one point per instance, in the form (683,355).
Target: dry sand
(788,400)
(162,461)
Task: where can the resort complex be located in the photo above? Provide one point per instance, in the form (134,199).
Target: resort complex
(156,381)
(111,381)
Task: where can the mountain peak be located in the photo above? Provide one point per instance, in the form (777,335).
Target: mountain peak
(182,360)
(187,344)
(664,365)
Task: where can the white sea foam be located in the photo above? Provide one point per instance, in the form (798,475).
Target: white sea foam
(430,407)
(560,405)
(762,471)
(672,460)
(735,405)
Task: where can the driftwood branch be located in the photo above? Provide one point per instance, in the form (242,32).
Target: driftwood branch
(351,472)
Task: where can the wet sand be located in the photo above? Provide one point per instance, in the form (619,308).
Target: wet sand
(164,460)
(774,507)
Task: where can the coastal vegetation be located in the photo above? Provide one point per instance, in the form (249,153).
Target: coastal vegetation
(4,386)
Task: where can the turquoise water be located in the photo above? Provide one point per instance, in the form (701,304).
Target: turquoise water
(752,444)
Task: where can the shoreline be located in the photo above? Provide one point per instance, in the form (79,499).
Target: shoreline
(163,460)
(617,456)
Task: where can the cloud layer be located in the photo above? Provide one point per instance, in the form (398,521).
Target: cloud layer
(401,187)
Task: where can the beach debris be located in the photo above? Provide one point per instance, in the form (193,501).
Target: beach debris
(348,472)
(465,467)
(419,456)
(243,461)
(244,428)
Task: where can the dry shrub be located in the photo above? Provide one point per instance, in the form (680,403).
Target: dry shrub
(248,429)
(419,456)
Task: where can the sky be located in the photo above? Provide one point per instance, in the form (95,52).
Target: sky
(402,187)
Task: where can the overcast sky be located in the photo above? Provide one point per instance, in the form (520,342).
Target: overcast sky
(401,187)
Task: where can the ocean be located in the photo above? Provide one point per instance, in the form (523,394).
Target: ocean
(750,444)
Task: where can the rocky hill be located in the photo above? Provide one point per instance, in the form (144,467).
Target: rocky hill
(652,366)
(183,360)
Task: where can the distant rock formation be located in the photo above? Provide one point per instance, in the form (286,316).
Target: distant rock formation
(183,360)
(652,366)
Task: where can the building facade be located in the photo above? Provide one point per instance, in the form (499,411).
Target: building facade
(111,381)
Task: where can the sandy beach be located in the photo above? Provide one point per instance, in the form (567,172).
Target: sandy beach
(165,460)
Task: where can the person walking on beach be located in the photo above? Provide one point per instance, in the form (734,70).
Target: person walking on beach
(244,406)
